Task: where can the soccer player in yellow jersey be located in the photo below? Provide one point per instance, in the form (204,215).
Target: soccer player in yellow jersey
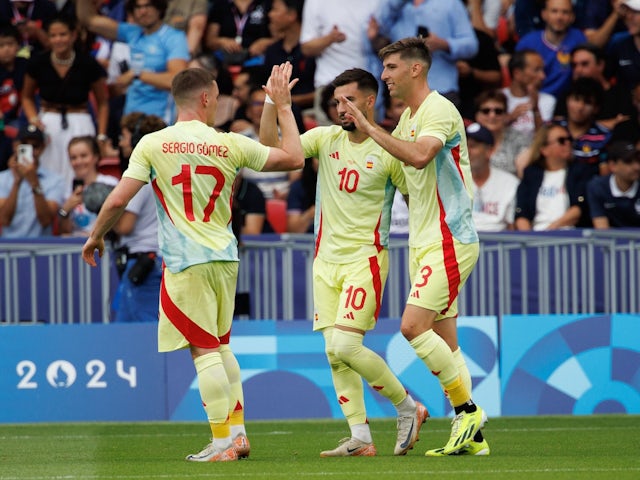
(430,142)
(356,185)
(192,167)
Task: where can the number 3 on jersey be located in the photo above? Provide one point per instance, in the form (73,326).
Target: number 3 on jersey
(184,179)
(426,273)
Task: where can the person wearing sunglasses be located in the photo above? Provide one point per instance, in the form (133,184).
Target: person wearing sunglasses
(509,152)
(552,191)
(614,200)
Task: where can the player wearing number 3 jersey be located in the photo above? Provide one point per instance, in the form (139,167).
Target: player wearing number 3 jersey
(356,186)
(430,141)
(192,167)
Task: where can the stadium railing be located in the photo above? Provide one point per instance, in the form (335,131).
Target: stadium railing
(46,281)
(572,271)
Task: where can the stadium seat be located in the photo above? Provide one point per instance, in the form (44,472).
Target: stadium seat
(277,214)
(109,166)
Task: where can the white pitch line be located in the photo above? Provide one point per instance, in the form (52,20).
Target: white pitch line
(284,432)
(129,435)
(342,473)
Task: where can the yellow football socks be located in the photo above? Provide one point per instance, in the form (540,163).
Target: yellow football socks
(347,383)
(349,348)
(236,403)
(463,370)
(438,358)
(214,387)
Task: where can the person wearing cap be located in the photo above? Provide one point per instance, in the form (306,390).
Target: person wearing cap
(30,195)
(623,54)
(614,200)
(494,190)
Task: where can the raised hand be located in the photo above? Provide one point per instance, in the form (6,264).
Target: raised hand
(279,84)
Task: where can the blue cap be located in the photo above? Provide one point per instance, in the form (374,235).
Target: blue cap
(479,133)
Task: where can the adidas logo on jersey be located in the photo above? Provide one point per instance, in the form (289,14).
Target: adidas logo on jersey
(415,294)
(335,155)
(349,316)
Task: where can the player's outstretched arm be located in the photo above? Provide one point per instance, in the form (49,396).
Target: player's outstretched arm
(87,13)
(110,212)
(290,155)
(269,120)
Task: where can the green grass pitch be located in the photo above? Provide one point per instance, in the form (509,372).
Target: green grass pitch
(555,447)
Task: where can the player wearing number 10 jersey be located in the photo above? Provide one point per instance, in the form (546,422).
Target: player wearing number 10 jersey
(356,186)
(192,168)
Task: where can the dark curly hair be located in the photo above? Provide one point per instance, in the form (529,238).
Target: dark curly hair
(160,5)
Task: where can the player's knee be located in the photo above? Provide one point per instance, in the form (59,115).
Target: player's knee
(408,331)
(330,352)
(346,346)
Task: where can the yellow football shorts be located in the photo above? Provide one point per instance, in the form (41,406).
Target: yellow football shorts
(349,294)
(439,271)
(196,306)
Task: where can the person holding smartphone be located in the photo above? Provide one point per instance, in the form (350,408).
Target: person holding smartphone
(30,195)
(74,217)
(444,27)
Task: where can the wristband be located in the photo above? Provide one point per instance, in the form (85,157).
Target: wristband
(268,100)
(62,213)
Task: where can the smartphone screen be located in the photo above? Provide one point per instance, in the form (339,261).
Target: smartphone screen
(422,31)
(25,154)
(77,182)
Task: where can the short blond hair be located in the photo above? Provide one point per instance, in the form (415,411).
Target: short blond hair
(190,81)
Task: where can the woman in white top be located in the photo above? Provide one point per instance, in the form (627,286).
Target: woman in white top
(84,155)
(551,194)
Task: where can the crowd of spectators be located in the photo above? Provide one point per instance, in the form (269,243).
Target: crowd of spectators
(550,91)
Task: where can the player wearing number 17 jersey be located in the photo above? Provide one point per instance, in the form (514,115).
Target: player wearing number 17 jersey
(192,168)
(356,186)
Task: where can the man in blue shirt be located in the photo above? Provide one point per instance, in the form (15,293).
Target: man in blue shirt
(30,195)
(158,53)
(446,29)
(555,44)
(614,200)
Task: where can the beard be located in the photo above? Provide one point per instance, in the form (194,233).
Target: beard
(349,126)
